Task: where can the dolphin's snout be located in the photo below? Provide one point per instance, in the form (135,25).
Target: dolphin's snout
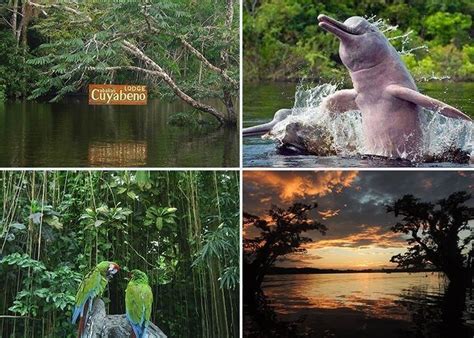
(339,29)
(321,18)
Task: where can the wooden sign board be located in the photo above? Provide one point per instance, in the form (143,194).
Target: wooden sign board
(105,94)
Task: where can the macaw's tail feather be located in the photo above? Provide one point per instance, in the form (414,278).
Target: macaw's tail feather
(138,330)
(82,322)
(75,314)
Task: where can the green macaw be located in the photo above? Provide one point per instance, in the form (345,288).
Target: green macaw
(92,286)
(138,300)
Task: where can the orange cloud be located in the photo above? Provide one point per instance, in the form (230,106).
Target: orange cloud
(325,214)
(290,185)
(372,235)
(298,259)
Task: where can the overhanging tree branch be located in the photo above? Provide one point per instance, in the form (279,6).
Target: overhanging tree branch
(194,51)
(434,233)
(63,7)
(134,50)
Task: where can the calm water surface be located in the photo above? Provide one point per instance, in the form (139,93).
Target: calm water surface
(262,100)
(73,134)
(364,304)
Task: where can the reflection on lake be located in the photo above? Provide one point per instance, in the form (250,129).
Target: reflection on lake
(73,134)
(131,154)
(365,304)
(262,100)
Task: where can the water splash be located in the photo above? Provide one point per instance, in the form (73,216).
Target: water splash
(441,133)
(391,32)
(312,129)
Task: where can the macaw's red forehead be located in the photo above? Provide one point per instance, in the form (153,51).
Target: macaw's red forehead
(114,266)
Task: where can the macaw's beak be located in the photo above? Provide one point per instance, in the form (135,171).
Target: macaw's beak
(112,270)
(129,276)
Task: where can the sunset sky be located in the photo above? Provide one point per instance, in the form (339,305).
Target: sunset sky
(352,205)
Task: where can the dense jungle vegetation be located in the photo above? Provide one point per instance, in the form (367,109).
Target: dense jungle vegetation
(181,49)
(282,40)
(181,228)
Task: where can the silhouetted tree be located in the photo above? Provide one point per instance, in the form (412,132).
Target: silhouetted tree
(434,233)
(279,236)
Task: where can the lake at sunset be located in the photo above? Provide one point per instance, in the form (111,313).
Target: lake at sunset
(364,304)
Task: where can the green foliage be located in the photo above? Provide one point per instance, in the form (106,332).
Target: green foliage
(282,40)
(161,217)
(444,28)
(73,46)
(443,60)
(58,225)
(13,70)
(44,290)
(219,244)
(3,94)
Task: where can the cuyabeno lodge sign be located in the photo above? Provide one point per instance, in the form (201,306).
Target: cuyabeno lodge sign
(104,94)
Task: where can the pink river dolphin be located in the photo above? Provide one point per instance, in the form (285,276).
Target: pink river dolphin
(383,91)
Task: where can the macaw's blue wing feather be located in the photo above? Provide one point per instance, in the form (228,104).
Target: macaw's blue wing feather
(136,327)
(79,308)
(77,311)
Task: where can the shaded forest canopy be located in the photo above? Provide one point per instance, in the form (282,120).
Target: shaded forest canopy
(181,228)
(182,49)
(282,40)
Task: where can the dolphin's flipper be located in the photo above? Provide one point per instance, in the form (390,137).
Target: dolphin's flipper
(425,101)
(341,101)
(264,128)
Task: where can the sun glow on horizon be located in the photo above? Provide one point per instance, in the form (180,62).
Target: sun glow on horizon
(369,257)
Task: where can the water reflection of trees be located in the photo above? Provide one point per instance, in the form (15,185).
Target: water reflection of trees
(436,315)
(278,236)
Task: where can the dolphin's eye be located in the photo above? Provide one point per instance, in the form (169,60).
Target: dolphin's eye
(358,28)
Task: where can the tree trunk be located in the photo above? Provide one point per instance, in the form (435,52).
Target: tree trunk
(229,104)
(14,17)
(456,275)
(253,293)
(231,118)
(452,309)
(101,325)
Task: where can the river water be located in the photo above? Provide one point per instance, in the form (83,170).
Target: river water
(73,134)
(366,305)
(261,100)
